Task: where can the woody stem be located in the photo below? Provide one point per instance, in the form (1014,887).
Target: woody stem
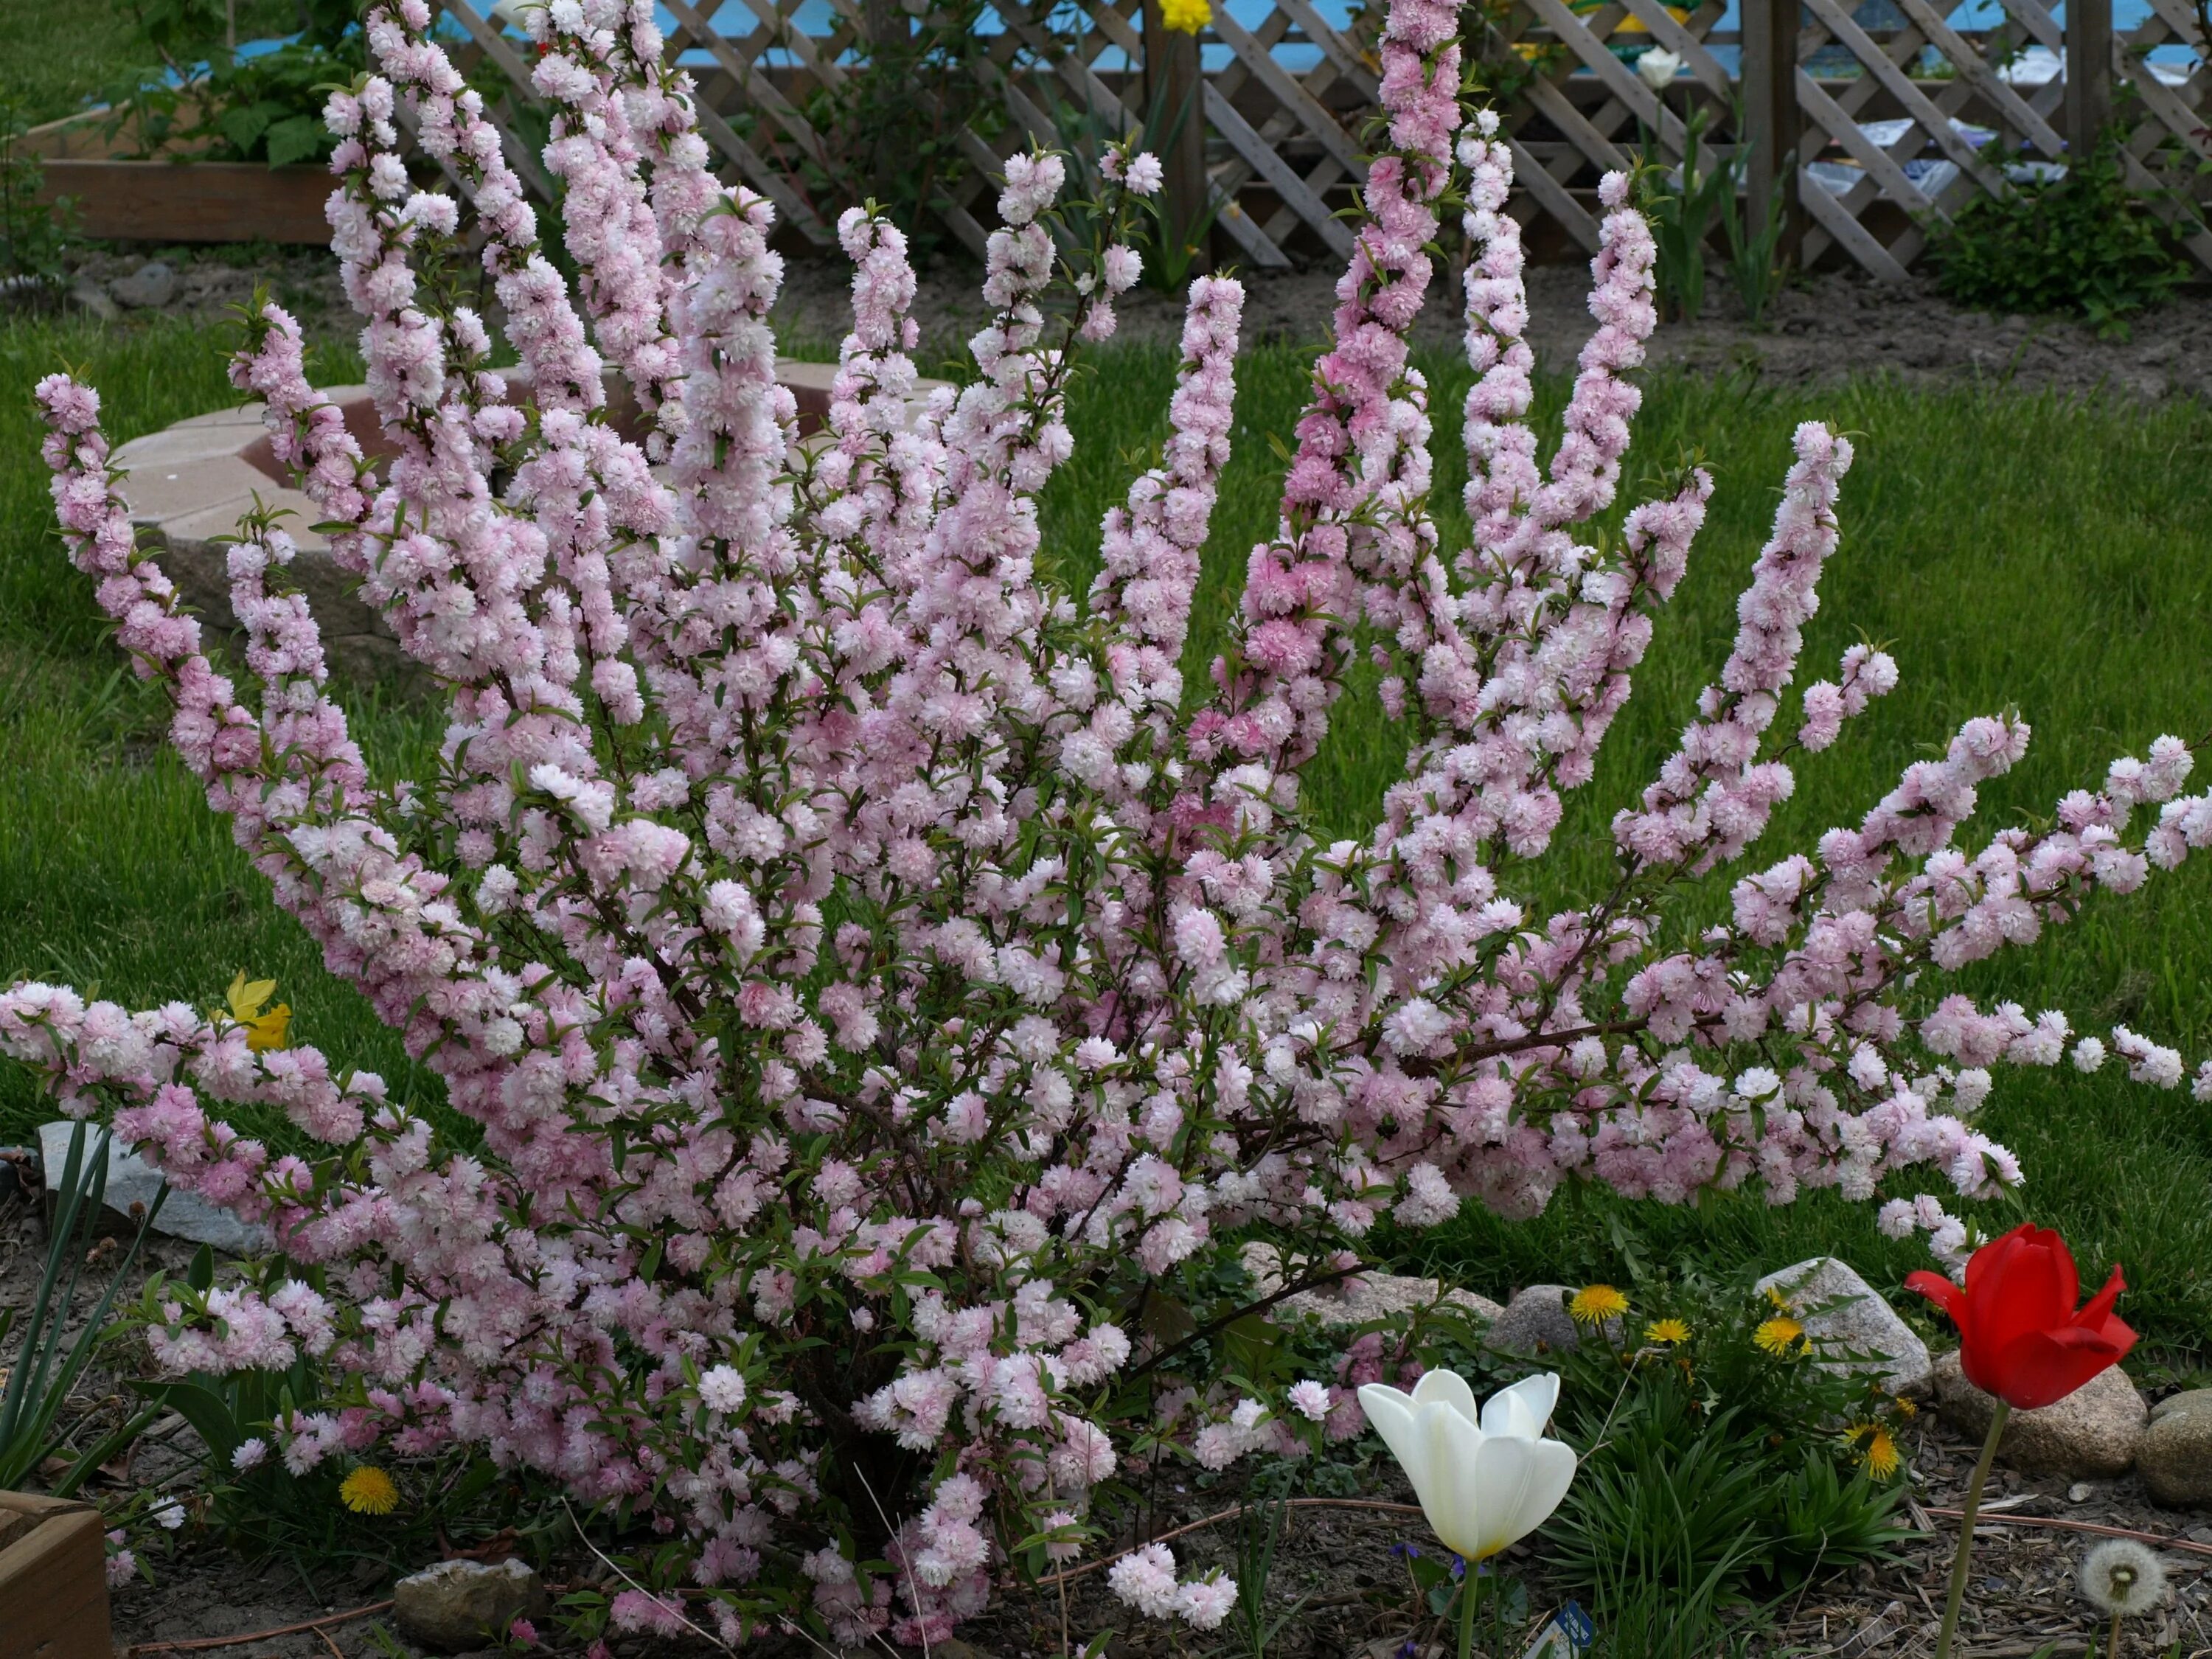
(1968,1510)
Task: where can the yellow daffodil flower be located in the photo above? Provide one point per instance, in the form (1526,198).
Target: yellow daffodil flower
(264,1030)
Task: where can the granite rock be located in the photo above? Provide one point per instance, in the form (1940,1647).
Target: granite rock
(131,1181)
(1360,1301)
(459,1607)
(1535,1322)
(2096,1431)
(149,287)
(1848,1316)
(93,299)
(2175,1457)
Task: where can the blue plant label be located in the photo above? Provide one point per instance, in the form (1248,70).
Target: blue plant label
(1565,1634)
(1581,1628)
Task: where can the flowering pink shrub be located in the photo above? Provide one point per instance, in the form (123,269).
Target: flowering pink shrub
(884,988)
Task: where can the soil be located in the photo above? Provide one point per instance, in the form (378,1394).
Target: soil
(1824,328)
(2022,1598)
(1356,1600)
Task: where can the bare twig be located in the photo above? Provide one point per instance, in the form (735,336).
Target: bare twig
(200,1642)
(2159,1540)
(912,1589)
(634,1584)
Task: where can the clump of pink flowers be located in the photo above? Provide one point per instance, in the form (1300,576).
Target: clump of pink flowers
(884,982)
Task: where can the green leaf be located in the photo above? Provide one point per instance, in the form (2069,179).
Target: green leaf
(296,139)
(208,1411)
(243,124)
(1252,1344)
(1167,1321)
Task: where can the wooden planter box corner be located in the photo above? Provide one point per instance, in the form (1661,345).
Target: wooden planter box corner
(53,1579)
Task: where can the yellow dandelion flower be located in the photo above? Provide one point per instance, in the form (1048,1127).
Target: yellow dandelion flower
(1185,16)
(1779,1301)
(1594,1304)
(1904,1407)
(1779,1336)
(1878,1453)
(369,1491)
(1667,1332)
(264,1030)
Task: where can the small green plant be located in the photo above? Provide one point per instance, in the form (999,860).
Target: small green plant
(1086,135)
(31,231)
(46,1363)
(1682,205)
(1260,1531)
(2083,244)
(1753,271)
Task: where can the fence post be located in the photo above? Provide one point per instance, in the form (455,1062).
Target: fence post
(1772,124)
(1172,82)
(884,22)
(2088,74)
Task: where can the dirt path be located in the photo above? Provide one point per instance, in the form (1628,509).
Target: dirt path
(1825,328)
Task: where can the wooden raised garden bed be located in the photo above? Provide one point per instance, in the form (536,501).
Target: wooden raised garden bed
(175,198)
(53,1579)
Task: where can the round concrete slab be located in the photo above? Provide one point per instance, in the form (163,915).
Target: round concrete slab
(188,485)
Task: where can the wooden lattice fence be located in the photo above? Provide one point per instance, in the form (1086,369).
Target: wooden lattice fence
(1889,114)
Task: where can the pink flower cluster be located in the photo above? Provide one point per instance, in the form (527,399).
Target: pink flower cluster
(888,995)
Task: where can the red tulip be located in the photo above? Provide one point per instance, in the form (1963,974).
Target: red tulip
(2021,1337)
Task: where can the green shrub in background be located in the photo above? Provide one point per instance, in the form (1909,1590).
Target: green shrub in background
(267,107)
(892,128)
(2082,245)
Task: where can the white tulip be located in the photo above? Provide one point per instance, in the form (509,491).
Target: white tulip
(1485,1481)
(1658,67)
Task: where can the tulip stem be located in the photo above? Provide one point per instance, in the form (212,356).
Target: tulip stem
(1968,1512)
(1469,1590)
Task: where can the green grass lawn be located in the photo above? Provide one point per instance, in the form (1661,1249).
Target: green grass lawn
(2010,550)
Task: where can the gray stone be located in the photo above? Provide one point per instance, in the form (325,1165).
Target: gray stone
(1535,1322)
(132,1181)
(2175,1457)
(454,1607)
(2096,1431)
(150,287)
(1361,1301)
(87,296)
(1847,1317)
